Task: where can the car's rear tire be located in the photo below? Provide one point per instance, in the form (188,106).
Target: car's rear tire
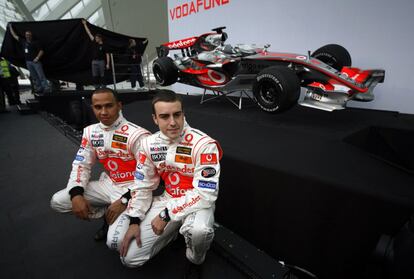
(334,55)
(165,71)
(276,89)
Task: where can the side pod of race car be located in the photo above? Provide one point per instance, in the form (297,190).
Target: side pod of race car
(274,78)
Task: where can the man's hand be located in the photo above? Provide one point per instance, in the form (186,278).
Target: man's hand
(158,225)
(114,210)
(80,207)
(134,231)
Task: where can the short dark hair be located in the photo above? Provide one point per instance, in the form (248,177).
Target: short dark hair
(166,96)
(106,90)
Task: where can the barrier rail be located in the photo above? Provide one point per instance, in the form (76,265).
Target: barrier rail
(122,69)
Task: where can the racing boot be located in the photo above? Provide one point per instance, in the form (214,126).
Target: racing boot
(102,232)
(192,271)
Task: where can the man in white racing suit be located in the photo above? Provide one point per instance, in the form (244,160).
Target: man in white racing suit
(188,162)
(114,142)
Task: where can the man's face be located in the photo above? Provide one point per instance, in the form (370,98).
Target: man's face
(28,35)
(170,118)
(106,108)
(98,39)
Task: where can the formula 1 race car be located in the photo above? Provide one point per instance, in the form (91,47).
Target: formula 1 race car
(275,78)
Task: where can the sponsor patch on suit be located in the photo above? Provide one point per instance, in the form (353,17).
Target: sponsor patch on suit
(208,159)
(183,150)
(183,159)
(119,145)
(120,138)
(207,184)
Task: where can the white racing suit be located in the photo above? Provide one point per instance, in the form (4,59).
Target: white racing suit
(190,169)
(115,147)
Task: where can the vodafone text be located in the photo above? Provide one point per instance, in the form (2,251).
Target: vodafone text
(194,7)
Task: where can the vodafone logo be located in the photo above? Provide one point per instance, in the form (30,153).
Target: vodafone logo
(216,76)
(112,165)
(181,43)
(194,7)
(174,178)
(124,128)
(84,142)
(301,57)
(188,138)
(208,159)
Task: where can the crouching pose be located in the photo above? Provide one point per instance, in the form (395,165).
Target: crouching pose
(188,162)
(114,142)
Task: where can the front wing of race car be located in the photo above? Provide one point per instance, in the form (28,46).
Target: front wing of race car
(334,95)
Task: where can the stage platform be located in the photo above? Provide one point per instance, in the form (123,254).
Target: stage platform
(294,187)
(40,243)
(291,184)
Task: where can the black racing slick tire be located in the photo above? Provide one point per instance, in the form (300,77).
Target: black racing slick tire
(276,89)
(165,71)
(334,55)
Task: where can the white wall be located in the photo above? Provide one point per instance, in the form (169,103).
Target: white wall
(377,33)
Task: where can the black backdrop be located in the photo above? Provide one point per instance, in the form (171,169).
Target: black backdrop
(68,48)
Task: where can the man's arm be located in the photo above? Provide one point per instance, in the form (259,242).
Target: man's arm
(205,183)
(79,177)
(146,180)
(13,33)
(85,24)
(107,60)
(39,55)
(117,207)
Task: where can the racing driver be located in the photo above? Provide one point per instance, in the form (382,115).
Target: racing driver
(188,162)
(113,141)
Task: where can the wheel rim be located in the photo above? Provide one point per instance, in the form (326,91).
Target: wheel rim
(268,93)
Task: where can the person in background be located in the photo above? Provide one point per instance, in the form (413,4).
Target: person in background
(33,53)
(15,84)
(100,57)
(6,82)
(135,59)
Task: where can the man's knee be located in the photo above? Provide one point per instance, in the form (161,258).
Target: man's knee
(134,261)
(60,203)
(113,242)
(201,234)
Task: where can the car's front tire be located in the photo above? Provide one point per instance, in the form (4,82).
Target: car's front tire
(165,71)
(334,55)
(276,89)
